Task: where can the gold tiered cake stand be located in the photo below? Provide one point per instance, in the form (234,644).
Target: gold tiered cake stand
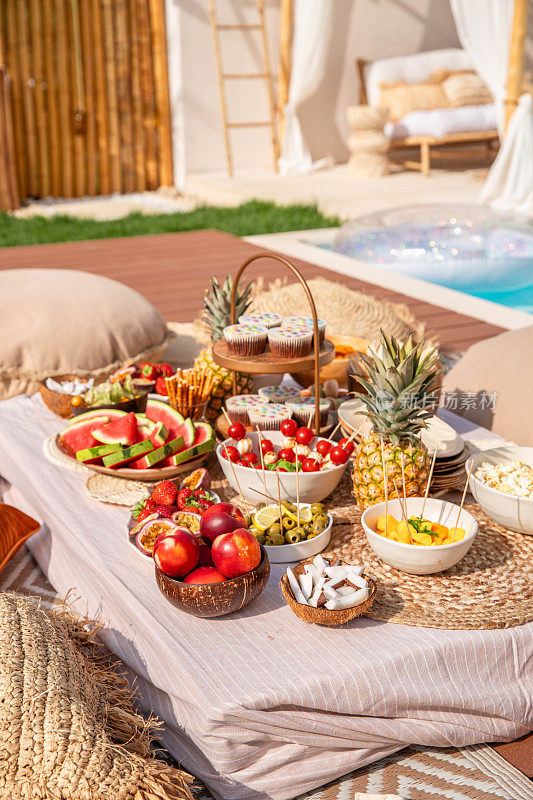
(267,363)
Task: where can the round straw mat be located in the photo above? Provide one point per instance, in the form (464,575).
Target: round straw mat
(55,455)
(491,587)
(348,312)
(119,491)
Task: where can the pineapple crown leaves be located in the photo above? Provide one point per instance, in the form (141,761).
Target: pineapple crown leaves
(217,305)
(399,377)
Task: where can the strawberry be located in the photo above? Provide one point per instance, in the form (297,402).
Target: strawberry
(165,511)
(164,493)
(165,370)
(148,370)
(145,512)
(161,387)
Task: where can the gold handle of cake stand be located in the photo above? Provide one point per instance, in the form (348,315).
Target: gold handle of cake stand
(313,312)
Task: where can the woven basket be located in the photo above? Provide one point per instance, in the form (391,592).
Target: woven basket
(69,728)
(58,403)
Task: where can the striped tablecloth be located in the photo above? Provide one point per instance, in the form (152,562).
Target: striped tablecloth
(259,704)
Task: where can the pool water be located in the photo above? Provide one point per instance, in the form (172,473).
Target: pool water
(473,249)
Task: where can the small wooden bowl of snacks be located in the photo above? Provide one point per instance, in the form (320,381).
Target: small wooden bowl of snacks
(317,591)
(215,599)
(59,402)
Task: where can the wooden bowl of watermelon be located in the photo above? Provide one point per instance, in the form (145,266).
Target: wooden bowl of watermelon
(157,444)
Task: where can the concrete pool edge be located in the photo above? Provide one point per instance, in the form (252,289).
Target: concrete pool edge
(305,245)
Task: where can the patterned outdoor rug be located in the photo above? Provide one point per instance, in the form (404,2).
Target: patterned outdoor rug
(416,773)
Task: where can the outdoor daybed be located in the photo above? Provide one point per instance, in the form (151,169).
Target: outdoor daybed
(428,127)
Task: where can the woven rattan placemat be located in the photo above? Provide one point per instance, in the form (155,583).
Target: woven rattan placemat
(491,587)
(119,491)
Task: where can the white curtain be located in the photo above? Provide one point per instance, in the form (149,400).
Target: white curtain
(509,184)
(313,26)
(484,29)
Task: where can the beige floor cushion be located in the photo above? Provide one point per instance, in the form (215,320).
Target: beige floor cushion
(492,385)
(65,321)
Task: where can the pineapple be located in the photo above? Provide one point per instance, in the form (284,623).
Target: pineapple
(216,316)
(400,380)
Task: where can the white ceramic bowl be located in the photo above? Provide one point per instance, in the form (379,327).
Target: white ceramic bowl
(314,486)
(296,552)
(508,510)
(419,559)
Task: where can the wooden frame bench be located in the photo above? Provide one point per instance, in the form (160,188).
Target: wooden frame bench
(433,146)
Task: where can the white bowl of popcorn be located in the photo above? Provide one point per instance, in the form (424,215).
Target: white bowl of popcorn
(502,483)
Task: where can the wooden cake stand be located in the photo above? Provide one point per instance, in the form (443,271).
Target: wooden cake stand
(267,363)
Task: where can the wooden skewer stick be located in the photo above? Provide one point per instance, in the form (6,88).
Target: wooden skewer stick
(354,434)
(405,499)
(245,504)
(297,489)
(226,415)
(385,486)
(462,501)
(429,480)
(310,418)
(334,431)
(279,500)
(263,494)
(400,501)
(261,456)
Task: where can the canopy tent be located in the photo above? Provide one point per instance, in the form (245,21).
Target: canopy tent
(491,31)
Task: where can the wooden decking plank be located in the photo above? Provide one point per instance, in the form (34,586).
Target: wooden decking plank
(173,270)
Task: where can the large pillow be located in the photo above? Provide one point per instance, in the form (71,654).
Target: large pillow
(492,385)
(465,89)
(56,321)
(402,98)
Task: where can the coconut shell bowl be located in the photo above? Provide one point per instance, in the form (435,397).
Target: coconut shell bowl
(57,402)
(215,599)
(323,616)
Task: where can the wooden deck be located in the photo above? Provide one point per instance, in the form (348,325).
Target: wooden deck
(172,271)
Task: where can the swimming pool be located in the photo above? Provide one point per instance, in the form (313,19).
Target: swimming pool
(473,249)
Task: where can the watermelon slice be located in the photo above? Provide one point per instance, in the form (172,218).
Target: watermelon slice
(126,454)
(122,430)
(204,442)
(78,435)
(111,413)
(95,453)
(159,435)
(158,455)
(158,411)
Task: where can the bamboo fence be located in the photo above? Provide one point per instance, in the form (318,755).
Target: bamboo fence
(84,91)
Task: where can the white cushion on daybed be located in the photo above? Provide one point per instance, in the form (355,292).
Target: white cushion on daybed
(443,121)
(412,69)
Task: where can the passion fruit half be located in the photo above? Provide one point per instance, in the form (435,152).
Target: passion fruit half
(146,537)
(198,479)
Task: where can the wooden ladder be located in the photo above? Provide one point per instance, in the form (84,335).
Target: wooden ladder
(265,75)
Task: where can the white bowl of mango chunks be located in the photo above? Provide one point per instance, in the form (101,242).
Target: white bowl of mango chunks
(420,552)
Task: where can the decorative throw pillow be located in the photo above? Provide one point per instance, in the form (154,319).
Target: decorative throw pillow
(68,726)
(492,385)
(465,89)
(402,98)
(57,321)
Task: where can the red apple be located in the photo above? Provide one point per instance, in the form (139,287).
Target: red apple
(236,553)
(204,575)
(205,559)
(176,553)
(220,518)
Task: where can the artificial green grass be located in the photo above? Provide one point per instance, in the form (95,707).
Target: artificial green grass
(247,219)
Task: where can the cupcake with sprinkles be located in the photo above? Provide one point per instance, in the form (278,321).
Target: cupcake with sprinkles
(266,319)
(278,394)
(245,340)
(290,342)
(269,416)
(291,322)
(237,406)
(304,408)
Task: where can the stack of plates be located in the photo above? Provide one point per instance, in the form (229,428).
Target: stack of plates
(449,470)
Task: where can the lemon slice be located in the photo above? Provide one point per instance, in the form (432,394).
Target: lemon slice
(306,515)
(266,517)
